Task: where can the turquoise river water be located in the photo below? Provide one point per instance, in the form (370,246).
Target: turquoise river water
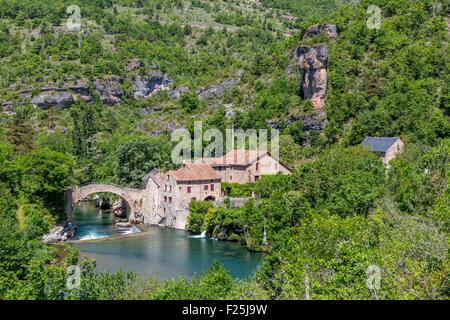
(160,252)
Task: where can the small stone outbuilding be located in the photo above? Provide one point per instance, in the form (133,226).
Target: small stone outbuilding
(387,147)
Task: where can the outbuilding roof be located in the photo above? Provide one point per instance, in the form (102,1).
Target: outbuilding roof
(379,144)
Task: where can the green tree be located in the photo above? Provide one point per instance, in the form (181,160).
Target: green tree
(197,212)
(343,180)
(43,175)
(138,156)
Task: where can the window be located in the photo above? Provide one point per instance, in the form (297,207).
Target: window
(257,166)
(165,187)
(189,189)
(211,187)
(165,199)
(231,178)
(170,188)
(170,199)
(205,187)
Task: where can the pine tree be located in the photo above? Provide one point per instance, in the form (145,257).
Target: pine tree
(20,133)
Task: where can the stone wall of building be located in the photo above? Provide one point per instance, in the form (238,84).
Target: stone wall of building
(393,151)
(174,199)
(265,166)
(151,203)
(167,204)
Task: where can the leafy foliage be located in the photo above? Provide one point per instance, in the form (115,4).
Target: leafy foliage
(341,210)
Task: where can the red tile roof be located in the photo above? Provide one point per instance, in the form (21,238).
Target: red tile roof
(195,172)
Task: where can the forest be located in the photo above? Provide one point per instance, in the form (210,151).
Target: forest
(339,212)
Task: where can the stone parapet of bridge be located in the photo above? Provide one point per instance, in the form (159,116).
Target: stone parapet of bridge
(132,197)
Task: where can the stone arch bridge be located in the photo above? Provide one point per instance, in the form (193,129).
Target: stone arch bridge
(132,197)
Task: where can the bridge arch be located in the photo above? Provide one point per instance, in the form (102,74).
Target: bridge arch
(132,197)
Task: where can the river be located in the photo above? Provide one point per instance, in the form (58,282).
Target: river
(159,252)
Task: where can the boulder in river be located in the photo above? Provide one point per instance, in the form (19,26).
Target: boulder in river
(59,234)
(119,208)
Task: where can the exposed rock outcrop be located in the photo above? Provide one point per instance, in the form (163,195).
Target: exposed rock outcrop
(151,85)
(133,64)
(52,96)
(229,110)
(109,90)
(139,126)
(219,90)
(311,122)
(313,63)
(51,99)
(7,107)
(328,29)
(177,92)
(77,88)
(315,121)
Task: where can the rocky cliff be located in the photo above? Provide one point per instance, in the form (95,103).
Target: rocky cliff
(330,30)
(111,89)
(151,85)
(313,63)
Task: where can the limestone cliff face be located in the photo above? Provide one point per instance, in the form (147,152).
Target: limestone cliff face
(151,85)
(109,90)
(313,63)
(49,99)
(328,29)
